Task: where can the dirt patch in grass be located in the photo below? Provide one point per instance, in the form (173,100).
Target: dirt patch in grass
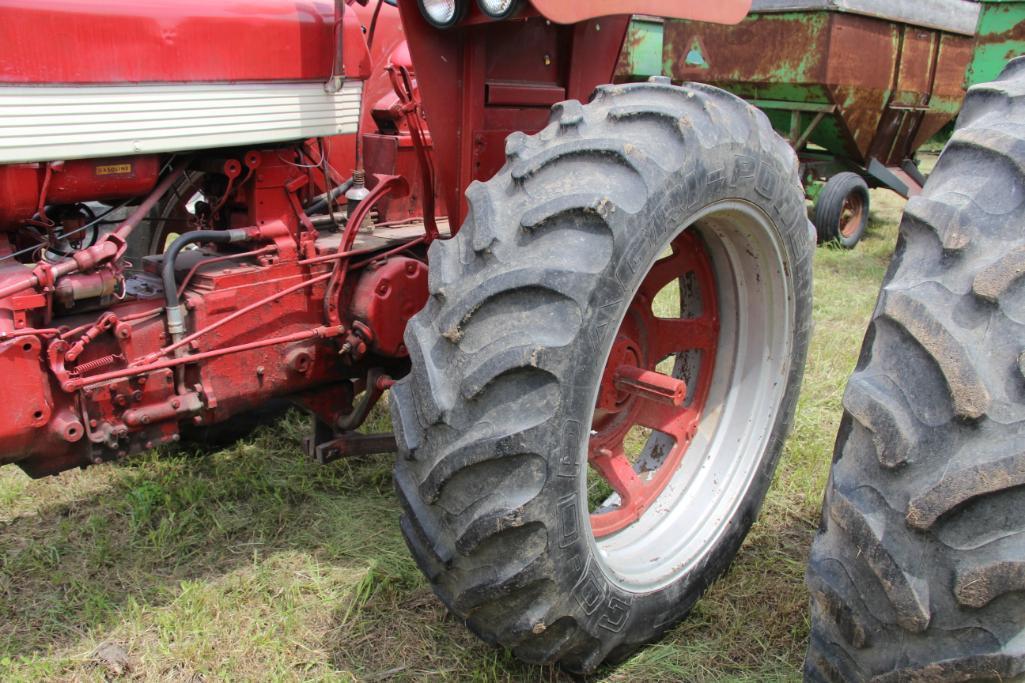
(250,563)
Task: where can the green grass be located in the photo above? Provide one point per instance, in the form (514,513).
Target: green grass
(251,563)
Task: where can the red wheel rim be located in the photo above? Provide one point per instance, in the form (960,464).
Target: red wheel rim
(852,214)
(633,392)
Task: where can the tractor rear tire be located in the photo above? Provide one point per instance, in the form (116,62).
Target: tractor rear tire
(494,421)
(841,210)
(918,570)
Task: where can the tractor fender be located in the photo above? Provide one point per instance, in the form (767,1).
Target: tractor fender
(721,12)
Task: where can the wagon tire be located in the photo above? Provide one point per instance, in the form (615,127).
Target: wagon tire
(841,210)
(917,572)
(497,418)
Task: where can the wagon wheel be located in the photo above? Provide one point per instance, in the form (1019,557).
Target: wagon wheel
(605,371)
(852,215)
(841,210)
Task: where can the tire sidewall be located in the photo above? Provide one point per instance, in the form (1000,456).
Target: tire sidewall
(743,173)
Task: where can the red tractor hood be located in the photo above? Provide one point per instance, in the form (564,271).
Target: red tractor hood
(715,11)
(157,41)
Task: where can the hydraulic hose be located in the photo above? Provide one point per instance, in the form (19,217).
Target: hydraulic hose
(175,318)
(321,201)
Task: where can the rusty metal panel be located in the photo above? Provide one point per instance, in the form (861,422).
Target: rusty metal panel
(787,50)
(948,91)
(950,16)
(641,56)
(1001,36)
(862,63)
(915,71)
(886,84)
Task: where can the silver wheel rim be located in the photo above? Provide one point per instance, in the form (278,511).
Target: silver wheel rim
(699,504)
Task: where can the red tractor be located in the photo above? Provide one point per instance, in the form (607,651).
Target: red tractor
(591,319)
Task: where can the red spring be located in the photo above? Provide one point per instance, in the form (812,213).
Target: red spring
(84,368)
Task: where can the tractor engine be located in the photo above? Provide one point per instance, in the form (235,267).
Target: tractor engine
(251,301)
(180,238)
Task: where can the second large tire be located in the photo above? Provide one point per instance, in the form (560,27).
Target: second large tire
(494,421)
(918,570)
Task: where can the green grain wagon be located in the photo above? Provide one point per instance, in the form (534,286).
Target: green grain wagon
(856,86)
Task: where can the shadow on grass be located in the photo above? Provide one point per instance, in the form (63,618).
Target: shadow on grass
(99,565)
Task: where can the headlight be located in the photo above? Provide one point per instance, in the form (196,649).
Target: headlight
(499,9)
(442,13)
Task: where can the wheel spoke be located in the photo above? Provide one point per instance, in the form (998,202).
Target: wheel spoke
(672,335)
(616,469)
(650,385)
(665,271)
(664,418)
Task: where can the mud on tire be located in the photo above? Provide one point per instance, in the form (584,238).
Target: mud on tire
(918,570)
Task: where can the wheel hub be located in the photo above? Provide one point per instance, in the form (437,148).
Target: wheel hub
(852,214)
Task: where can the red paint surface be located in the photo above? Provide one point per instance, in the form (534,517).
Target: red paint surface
(456,67)
(718,11)
(143,41)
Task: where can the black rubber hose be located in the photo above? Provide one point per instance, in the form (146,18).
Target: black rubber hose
(320,202)
(215,236)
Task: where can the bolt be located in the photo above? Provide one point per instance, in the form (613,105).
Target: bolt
(93,424)
(259,371)
(149,444)
(175,403)
(198,420)
(136,395)
(145,419)
(175,438)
